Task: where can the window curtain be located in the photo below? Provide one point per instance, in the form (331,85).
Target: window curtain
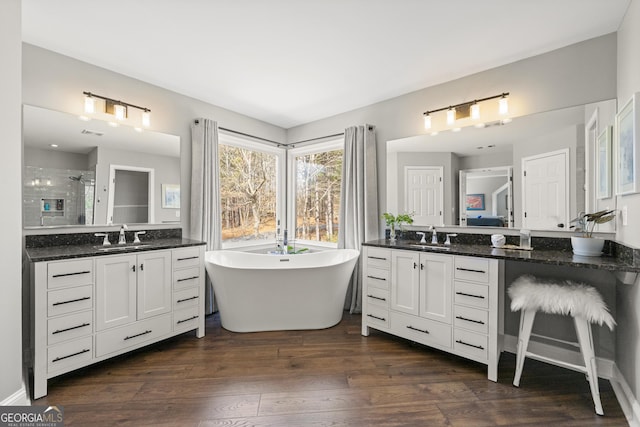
(359,219)
(205,222)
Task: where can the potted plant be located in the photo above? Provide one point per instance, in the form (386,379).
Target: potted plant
(393,221)
(585,244)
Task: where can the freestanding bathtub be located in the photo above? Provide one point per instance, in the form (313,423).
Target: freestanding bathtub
(260,292)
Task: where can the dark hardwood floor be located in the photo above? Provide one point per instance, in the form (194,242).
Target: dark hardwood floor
(332,377)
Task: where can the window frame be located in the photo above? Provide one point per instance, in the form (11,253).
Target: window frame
(292,153)
(225,138)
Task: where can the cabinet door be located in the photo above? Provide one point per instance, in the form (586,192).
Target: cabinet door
(154,284)
(436,284)
(116,291)
(404,281)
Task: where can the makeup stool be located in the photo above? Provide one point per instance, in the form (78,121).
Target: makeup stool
(532,294)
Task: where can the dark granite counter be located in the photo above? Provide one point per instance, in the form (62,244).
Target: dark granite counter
(542,255)
(79,245)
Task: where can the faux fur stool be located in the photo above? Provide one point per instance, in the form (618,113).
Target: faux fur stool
(532,294)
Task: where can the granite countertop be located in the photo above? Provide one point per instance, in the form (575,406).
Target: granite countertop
(543,255)
(67,251)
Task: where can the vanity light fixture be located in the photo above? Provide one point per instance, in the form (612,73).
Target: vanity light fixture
(468,109)
(118,108)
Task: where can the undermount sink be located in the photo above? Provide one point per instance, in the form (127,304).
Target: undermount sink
(115,248)
(436,247)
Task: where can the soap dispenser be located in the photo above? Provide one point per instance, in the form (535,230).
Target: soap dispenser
(525,239)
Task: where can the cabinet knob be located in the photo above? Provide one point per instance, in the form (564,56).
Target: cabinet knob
(133,268)
(141,267)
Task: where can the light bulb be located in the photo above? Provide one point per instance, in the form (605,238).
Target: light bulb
(503,106)
(475,111)
(427,121)
(451,116)
(89,104)
(120,111)
(146,118)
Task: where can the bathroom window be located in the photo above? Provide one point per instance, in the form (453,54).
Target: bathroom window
(251,184)
(315,174)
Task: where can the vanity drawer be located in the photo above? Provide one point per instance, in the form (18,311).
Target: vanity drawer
(186,278)
(69,273)
(69,327)
(471,294)
(69,354)
(186,298)
(377,296)
(471,318)
(473,269)
(186,257)
(186,319)
(377,277)
(377,317)
(380,258)
(421,330)
(471,343)
(118,339)
(69,300)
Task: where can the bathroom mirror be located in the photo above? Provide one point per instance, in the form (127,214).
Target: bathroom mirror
(502,147)
(80,172)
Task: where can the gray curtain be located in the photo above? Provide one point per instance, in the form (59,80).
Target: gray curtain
(205,192)
(359,220)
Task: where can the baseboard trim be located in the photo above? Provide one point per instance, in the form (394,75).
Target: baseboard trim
(626,399)
(19,398)
(605,366)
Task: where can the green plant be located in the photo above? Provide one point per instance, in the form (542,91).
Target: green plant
(586,223)
(392,220)
(291,250)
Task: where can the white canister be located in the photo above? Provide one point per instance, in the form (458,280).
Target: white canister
(498,240)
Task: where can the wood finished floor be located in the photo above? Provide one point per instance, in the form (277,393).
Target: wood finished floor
(333,377)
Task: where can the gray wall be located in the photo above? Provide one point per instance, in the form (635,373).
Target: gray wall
(628,298)
(54,81)
(10,256)
(55,159)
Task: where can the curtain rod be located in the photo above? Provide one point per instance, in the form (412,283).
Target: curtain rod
(316,139)
(277,144)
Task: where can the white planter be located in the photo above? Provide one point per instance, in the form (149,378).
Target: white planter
(587,246)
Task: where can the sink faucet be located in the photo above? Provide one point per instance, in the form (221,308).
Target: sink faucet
(105,241)
(122,239)
(449,236)
(434,235)
(422,240)
(136,236)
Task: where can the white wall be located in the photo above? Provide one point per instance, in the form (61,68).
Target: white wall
(11,388)
(54,81)
(628,297)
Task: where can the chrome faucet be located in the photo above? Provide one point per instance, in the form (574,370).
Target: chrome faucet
(105,241)
(434,235)
(285,242)
(422,240)
(449,236)
(122,240)
(136,236)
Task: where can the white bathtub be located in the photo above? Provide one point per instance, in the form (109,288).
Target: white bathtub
(259,292)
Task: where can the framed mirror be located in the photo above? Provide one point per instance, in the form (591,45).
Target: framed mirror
(79,172)
(502,147)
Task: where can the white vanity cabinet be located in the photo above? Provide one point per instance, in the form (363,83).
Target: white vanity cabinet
(85,310)
(449,302)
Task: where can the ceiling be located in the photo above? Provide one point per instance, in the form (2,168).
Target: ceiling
(290,62)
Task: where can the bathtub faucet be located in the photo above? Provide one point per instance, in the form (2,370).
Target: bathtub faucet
(285,242)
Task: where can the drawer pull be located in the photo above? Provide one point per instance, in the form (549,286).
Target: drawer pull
(186,320)
(378,298)
(57,359)
(376,317)
(70,274)
(470,320)
(187,278)
(469,295)
(479,347)
(188,299)
(190,257)
(70,301)
(377,257)
(377,278)
(59,331)
(471,270)
(424,331)
(137,335)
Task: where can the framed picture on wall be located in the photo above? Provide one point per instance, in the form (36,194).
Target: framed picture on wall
(627,152)
(603,163)
(171,196)
(475,202)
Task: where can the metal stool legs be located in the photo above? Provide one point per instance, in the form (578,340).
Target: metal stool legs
(526,324)
(585,338)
